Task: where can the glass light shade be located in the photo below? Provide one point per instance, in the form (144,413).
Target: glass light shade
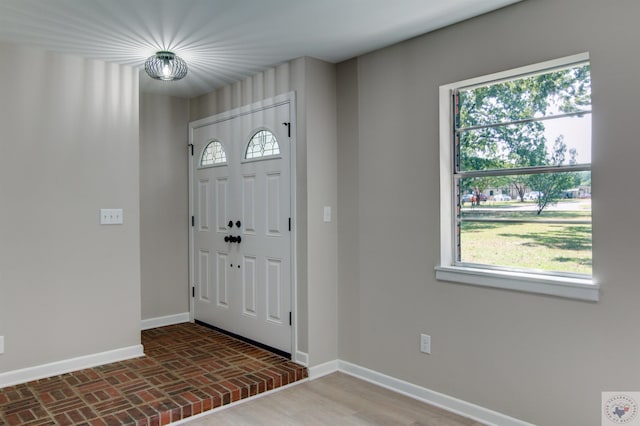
(165,66)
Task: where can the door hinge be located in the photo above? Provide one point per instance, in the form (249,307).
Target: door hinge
(288,124)
(191,146)
(289,224)
(193,291)
(290,319)
(193,221)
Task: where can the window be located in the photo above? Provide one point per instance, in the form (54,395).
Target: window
(213,154)
(516,180)
(262,144)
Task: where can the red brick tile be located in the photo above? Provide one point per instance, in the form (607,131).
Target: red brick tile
(112,406)
(79,415)
(124,418)
(12,419)
(111,420)
(63,405)
(207,404)
(26,415)
(63,420)
(154,421)
(188,370)
(165,417)
(136,414)
(176,414)
(147,410)
(149,395)
(187,411)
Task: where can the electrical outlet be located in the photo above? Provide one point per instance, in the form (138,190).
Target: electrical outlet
(1,344)
(425,343)
(111,217)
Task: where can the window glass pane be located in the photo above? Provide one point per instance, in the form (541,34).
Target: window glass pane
(538,120)
(542,95)
(213,154)
(539,246)
(539,221)
(262,144)
(560,141)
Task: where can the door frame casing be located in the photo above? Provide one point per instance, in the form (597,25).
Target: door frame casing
(286,98)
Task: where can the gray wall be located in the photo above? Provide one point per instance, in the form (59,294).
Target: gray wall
(348,226)
(322,190)
(316,187)
(69,146)
(164,205)
(541,359)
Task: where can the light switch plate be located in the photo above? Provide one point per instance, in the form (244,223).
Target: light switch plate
(327,213)
(425,343)
(111,217)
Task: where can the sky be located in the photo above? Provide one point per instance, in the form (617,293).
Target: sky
(577,134)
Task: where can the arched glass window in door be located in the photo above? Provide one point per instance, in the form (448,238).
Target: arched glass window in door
(262,144)
(213,154)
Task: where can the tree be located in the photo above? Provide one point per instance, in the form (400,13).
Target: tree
(499,129)
(551,186)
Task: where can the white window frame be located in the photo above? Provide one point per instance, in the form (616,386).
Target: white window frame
(549,284)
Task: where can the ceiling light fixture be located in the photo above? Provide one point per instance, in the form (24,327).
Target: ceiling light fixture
(165,66)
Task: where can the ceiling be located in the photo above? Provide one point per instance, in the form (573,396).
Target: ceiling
(224,41)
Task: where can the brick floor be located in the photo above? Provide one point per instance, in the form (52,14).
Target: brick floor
(188,369)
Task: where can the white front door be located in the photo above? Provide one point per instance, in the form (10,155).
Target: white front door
(241,200)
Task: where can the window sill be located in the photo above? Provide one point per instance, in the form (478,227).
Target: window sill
(571,288)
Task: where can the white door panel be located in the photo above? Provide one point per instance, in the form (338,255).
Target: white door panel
(244,287)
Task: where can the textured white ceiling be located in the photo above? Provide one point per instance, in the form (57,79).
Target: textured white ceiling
(225,40)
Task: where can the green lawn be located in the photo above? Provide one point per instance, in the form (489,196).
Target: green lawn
(545,246)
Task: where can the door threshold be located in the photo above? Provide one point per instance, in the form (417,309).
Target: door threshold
(279,352)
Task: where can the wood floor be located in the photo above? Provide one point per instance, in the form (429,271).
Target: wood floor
(337,399)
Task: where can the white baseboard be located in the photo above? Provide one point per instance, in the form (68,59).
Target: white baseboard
(318,371)
(37,372)
(302,358)
(146,324)
(449,403)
